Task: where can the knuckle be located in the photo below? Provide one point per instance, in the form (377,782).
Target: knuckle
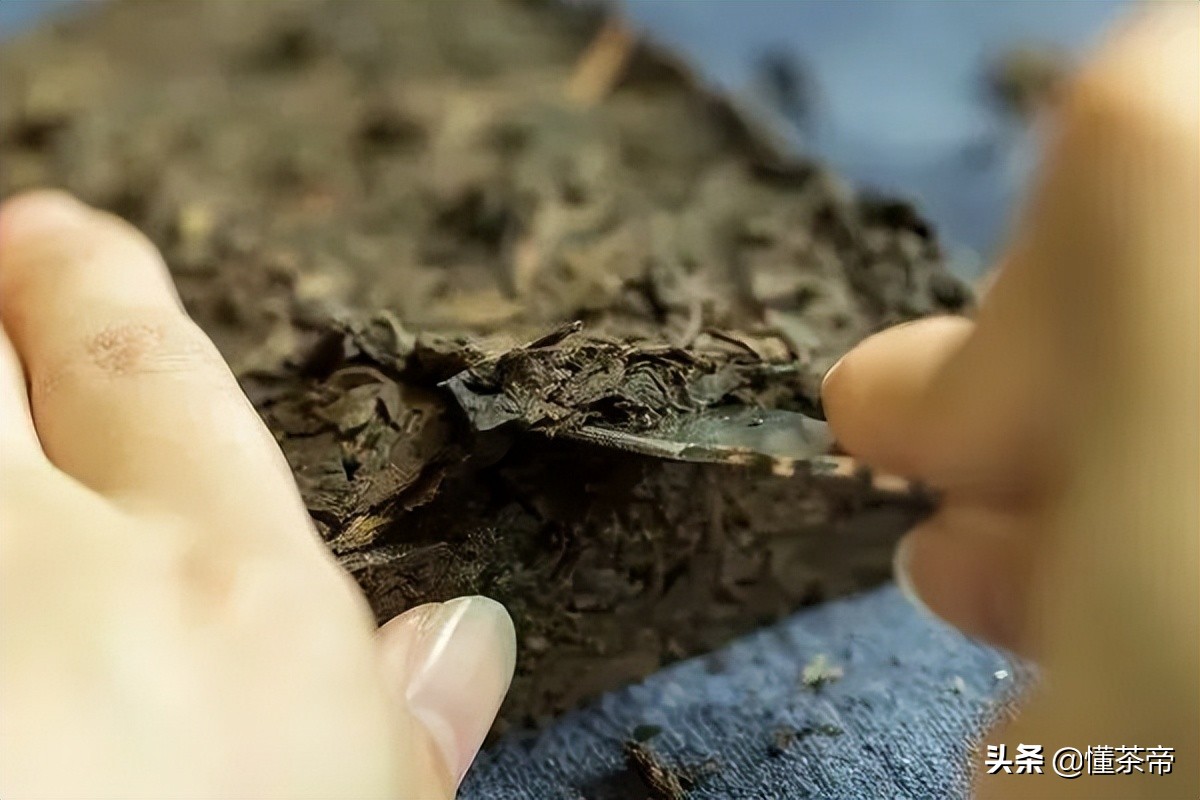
(135,346)
(126,348)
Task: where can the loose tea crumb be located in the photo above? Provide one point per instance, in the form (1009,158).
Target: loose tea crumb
(819,671)
(781,740)
(660,779)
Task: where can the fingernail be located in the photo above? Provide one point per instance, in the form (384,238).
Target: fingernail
(829,373)
(901,573)
(39,210)
(461,666)
(818,411)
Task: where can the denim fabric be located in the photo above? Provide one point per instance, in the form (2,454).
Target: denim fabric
(899,723)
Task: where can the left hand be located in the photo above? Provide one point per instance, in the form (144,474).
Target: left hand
(170,624)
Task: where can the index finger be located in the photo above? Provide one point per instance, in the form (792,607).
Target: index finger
(128,394)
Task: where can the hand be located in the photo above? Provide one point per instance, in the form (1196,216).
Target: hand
(170,624)
(1062,429)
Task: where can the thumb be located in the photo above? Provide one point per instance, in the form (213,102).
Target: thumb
(448,666)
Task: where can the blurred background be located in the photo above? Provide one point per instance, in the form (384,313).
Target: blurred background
(921,99)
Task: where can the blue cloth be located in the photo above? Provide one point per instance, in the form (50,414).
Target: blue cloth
(898,723)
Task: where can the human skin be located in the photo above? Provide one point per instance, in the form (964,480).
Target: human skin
(1061,427)
(170,625)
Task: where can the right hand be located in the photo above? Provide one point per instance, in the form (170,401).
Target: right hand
(1062,429)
